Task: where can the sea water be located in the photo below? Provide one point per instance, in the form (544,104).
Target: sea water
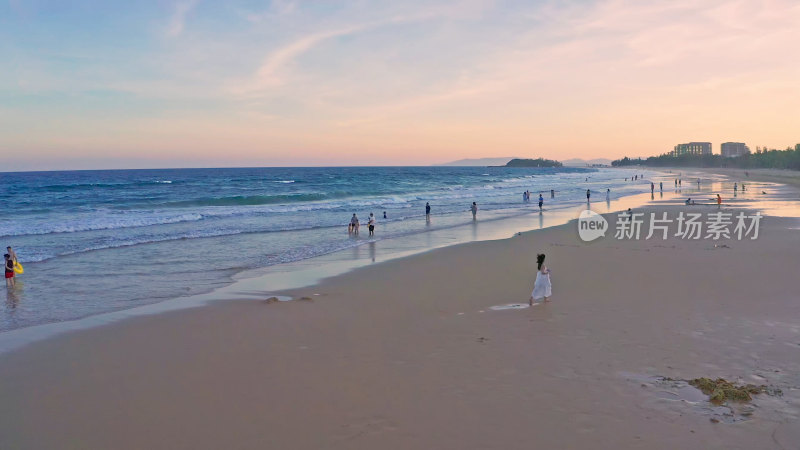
(99,241)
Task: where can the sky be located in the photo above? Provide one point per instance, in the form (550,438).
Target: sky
(199,83)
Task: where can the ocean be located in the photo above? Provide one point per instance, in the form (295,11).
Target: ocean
(100,241)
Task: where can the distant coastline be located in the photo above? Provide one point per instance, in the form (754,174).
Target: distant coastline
(503,161)
(538,162)
(480,162)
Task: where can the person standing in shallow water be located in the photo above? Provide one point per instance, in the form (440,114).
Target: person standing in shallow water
(9,266)
(474,209)
(427,211)
(353,227)
(371,224)
(588,195)
(541,202)
(541,287)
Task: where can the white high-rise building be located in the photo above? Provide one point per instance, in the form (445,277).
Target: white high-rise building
(692,148)
(733,149)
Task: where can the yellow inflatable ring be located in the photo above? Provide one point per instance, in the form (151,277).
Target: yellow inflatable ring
(18,268)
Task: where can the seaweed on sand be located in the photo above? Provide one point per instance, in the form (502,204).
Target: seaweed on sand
(722,390)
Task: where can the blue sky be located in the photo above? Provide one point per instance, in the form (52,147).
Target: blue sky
(200,83)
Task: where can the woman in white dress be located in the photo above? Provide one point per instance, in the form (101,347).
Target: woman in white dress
(541,287)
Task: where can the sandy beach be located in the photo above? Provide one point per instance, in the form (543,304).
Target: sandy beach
(299,225)
(409,354)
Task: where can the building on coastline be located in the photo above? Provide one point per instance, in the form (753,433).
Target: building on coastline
(692,148)
(734,149)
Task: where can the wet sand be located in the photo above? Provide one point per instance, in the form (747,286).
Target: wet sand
(788,177)
(408,354)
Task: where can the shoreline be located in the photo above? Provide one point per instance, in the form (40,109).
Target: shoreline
(159,239)
(250,284)
(782,176)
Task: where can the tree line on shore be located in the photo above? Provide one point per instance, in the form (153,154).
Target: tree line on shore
(763,158)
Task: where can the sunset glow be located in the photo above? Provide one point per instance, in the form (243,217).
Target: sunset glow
(194,83)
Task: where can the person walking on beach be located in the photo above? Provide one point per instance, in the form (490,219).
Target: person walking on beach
(541,287)
(661,186)
(552,193)
(588,195)
(474,209)
(427,212)
(608,194)
(9,266)
(371,224)
(719,201)
(735,187)
(652,187)
(541,202)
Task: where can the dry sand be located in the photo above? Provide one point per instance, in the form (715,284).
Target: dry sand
(408,355)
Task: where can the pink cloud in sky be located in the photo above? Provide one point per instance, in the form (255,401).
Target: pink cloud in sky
(419,86)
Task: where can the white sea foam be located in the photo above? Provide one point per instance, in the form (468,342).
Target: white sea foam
(106,219)
(92,222)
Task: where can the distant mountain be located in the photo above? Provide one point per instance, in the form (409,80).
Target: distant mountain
(577,162)
(479,162)
(538,162)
